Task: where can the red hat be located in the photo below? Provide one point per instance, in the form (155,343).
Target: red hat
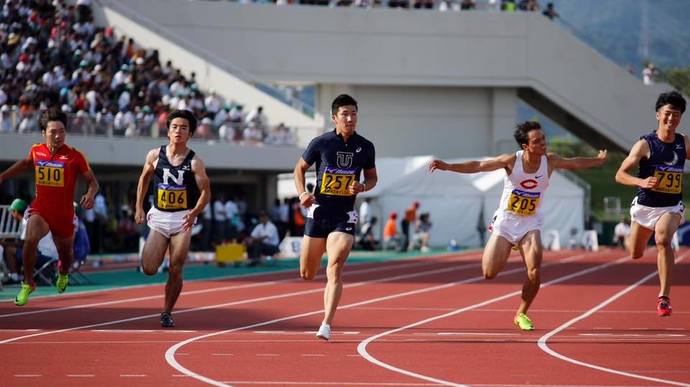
(393,215)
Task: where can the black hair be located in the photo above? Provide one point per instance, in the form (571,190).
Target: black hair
(342,100)
(52,114)
(521,131)
(186,114)
(672,98)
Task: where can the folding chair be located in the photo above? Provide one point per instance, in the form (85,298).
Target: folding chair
(76,275)
(46,269)
(81,253)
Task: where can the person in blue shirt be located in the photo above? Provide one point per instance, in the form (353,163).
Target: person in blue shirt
(341,156)
(658,206)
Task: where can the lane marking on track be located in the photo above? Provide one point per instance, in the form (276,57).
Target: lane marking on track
(170,353)
(633,334)
(267,354)
(361,348)
(27,375)
(422,260)
(19,330)
(248,301)
(403,264)
(80,375)
(305,383)
(132,375)
(544,346)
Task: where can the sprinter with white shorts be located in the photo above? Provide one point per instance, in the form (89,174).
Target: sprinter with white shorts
(658,206)
(181,190)
(518,219)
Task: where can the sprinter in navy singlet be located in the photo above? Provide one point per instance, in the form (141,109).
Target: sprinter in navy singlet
(658,206)
(181,190)
(341,156)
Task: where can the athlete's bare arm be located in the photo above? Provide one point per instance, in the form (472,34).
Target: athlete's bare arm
(143,185)
(370,180)
(505,161)
(558,162)
(306,199)
(17,168)
(687,146)
(639,151)
(204,184)
(87,200)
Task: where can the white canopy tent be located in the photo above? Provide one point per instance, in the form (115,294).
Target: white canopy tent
(453,204)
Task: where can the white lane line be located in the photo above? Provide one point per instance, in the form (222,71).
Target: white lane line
(27,375)
(544,346)
(19,330)
(362,347)
(170,353)
(305,383)
(246,301)
(402,264)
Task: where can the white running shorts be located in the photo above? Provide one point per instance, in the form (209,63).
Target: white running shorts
(166,223)
(514,228)
(648,216)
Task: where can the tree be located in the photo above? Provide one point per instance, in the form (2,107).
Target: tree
(679,78)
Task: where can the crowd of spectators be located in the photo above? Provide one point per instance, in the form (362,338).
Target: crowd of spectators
(53,54)
(441,5)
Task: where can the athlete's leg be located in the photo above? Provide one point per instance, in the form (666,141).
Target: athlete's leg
(339,245)
(639,237)
(310,256)
(665,227)
(154,251)
(65,249)
(495,255)
(532,253)
(36,229)
(179,250)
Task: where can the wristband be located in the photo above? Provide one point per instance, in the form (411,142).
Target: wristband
(365,186)
(300,195)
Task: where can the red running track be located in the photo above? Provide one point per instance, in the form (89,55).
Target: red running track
(418,322)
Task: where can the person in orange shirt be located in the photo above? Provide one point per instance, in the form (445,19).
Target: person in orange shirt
(390,231)
(410,218)
(56,168)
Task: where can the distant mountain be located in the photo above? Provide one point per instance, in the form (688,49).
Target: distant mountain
(631,32)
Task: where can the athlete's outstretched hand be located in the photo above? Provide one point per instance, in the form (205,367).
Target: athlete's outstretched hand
(602,155)
(307,200)
(139,216)
(356,187)
(649,182)
(438,164)
(86,201)
(189,219)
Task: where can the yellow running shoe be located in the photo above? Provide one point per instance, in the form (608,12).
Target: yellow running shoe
(523,322)
(61,283)
(23,295)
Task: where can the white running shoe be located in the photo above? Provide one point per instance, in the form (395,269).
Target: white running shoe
(324,332)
